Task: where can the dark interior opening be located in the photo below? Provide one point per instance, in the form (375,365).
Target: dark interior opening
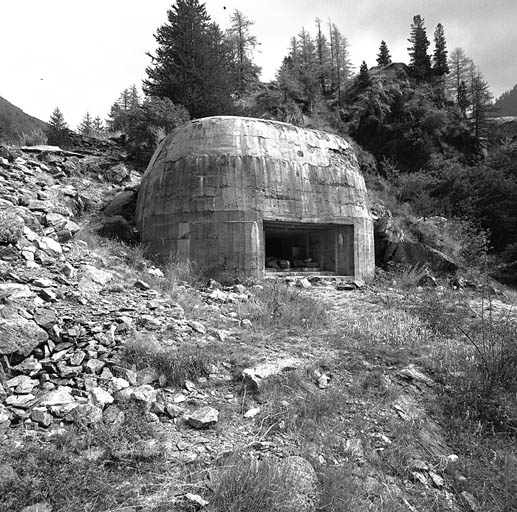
(305,247)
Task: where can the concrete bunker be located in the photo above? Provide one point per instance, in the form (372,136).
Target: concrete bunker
(248,195)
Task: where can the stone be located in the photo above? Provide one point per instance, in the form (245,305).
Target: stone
(117,174)
(146,394)
(141,285)
(117,384)
(14,291)
(197,500)
(437,480)
(49,246)
(197,326)
(122,204)
(5,415)
(471,502)
(300,485)
(93,279)
(85,414)
(17,334)
(95,365)
(251,413)
(38,507)
(254,377)
(20,401)
(22,384)
(30,365)
(100,397)
(42,282)
(45,318)
(173,410)
(41,416)
(303,283)
(416,253)
(77,357)
(204,417)
(66,371)
(116,227)
(59,396)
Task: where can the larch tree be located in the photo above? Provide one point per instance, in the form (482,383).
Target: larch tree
(192,65)
(481,101)
(243,44)
(459,66)
(383,57)
(324,60)
(420,61)
(307,68)
(440,64)
(340,57)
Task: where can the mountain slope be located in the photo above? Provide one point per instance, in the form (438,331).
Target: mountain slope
(506,104)
(14,121)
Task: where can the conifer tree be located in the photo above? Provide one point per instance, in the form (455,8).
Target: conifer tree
(340,57)
(97,125)
(440,65)
(364,79)
(324,61)
(463,98)
(420,61)
(86,126)
(383,57)
(242,44)
(459,65)
(192,65)
(57,132)
(481,100)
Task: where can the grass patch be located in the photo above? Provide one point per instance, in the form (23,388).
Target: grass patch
(276,305)
(244,484)
(78,470)
(292,404)
(176,364)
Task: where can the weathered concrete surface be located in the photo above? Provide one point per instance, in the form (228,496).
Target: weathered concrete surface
(213,182)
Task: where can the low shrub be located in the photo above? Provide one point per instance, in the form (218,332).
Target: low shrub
(280,306)
(186,362)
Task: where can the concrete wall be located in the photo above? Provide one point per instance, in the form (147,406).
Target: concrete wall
(213,181)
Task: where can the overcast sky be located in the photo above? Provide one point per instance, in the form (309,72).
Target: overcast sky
(79,55)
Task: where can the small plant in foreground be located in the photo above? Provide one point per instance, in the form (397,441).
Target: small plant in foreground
(175,364)
(280,306)
(244,484)
(485,387)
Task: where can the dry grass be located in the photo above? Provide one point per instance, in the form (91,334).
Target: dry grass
(245,484)
(276,305)
(175,364)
